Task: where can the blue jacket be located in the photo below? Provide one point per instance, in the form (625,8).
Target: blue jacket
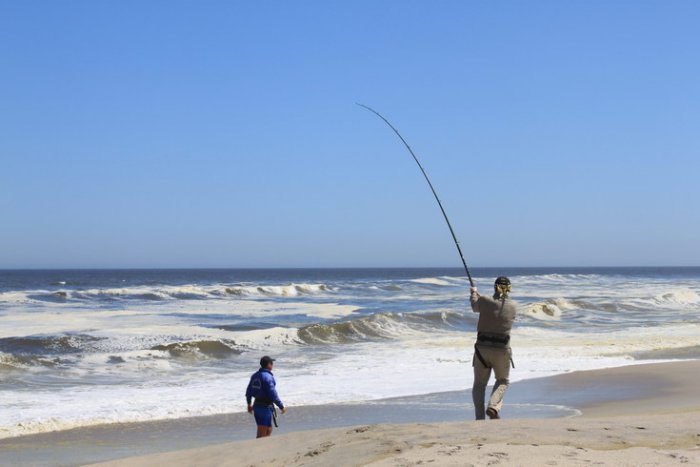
(262,386)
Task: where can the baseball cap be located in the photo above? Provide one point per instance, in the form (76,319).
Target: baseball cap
(266,361)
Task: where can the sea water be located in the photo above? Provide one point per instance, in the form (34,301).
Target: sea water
(86,347)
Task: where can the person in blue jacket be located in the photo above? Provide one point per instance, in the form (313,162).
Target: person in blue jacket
(262,388)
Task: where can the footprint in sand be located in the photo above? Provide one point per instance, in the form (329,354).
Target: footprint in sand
(320,450)
(360,429)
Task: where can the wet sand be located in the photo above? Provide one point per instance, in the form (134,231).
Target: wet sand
(645,412)
(93,444)
(675,389)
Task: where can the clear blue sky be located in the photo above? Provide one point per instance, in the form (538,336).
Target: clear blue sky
(224,134)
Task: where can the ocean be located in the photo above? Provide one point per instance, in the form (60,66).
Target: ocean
(88,347)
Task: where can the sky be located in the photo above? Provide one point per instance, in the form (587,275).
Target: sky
(225,134)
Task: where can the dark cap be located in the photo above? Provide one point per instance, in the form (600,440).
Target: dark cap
(266,361)
(503,280)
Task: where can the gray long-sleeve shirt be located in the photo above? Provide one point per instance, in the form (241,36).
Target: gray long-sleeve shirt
(495,316)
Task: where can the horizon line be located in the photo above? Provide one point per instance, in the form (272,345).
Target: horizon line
(241,268)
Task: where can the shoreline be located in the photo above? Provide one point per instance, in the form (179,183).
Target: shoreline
(674,389)
(650,388)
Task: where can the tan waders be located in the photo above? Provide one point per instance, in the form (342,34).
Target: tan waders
(497,359)
(492,349)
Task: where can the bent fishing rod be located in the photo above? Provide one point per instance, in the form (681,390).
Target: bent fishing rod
(444,214)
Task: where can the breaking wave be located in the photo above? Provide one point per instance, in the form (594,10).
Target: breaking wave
(204,348)
(547,310)
(382,326)
(679,297)
(676,299)
(164,293)
(291,290)
(48,345)
(9,362)
(558,278)
(28,352)
(438,281)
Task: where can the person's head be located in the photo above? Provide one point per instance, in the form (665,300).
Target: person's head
(502,287)
(267,362)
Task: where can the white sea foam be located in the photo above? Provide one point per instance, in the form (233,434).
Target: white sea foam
(181,292)
(150,319)
(15,297)
(543,311)
(432,281)
(173,351)
(595,344)
(679,297)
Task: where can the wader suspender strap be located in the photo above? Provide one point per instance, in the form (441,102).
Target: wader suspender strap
(478,355)
(274,416)
(483,362)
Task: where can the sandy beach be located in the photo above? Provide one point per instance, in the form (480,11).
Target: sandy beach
(618,427)
(637,440)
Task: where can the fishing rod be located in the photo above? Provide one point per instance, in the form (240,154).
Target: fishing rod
(444,214)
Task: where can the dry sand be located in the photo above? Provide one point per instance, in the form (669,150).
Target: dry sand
(660,429)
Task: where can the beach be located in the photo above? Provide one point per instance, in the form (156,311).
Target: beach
(635,415)
(610,441)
